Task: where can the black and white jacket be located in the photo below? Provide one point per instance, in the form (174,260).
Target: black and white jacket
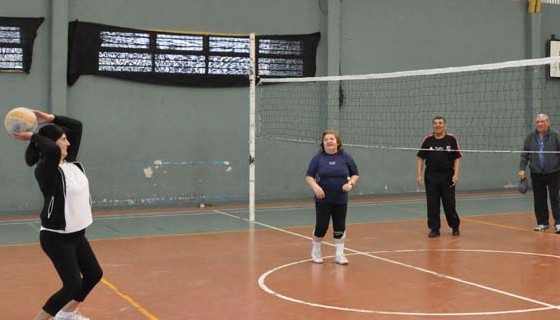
(50,176)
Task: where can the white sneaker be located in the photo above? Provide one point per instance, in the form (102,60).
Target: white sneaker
(341,259)
(557,228)
(541,227)
(75,315)
(316,255)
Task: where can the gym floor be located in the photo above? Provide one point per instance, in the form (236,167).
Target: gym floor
(215,264)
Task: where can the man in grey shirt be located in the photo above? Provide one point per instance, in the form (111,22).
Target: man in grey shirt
(545,171)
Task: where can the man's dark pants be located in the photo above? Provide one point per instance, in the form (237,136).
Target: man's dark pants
(439,187)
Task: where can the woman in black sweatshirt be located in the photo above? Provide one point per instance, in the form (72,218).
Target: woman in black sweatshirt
(66,212)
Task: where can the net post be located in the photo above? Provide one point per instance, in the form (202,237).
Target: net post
(333,102)
(252,133)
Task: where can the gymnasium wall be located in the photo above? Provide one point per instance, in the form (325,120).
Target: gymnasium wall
(149,145)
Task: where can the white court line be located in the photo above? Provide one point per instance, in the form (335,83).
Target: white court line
(152,215)
(33,226)
(487,313)
(278,208)
(117,217)
(262,285)
(378,203)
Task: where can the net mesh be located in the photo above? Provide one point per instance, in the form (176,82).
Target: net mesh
(490,108)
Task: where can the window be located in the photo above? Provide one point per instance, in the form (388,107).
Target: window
(11,58)
(185,59)
(16,43)
(276,59)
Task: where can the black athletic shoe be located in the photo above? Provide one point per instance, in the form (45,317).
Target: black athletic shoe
(456,232)
(433,233)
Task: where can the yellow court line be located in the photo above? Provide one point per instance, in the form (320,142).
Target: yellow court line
(498,213)
(129,299)
(508,227)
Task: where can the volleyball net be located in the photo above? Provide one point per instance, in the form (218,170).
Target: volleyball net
(490,108)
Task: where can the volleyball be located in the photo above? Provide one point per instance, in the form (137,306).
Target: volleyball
(20,120)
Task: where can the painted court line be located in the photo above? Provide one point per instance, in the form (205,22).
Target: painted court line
(117,217)
(263,286)
(378,203)
(33,226)
(546,306)
(126,297)
(509,227)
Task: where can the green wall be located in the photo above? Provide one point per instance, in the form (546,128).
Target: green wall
(149,145)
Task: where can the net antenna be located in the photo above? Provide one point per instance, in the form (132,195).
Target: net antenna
(491,108)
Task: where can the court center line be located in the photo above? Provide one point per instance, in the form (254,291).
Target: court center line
(437,274)
(126,297)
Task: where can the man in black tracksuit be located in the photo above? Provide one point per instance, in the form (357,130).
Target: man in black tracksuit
(545,171)
(440,150)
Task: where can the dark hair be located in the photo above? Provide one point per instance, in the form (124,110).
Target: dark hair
(51,131)
(439,118)
(337,137)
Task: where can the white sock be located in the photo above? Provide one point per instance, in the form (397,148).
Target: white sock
(316,246)
(339,248)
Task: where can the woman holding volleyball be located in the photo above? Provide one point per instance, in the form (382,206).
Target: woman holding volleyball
(66,211)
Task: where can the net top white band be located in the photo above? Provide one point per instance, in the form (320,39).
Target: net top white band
(490,66)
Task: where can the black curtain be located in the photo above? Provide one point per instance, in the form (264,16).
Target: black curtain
(85,45)
(28,28)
